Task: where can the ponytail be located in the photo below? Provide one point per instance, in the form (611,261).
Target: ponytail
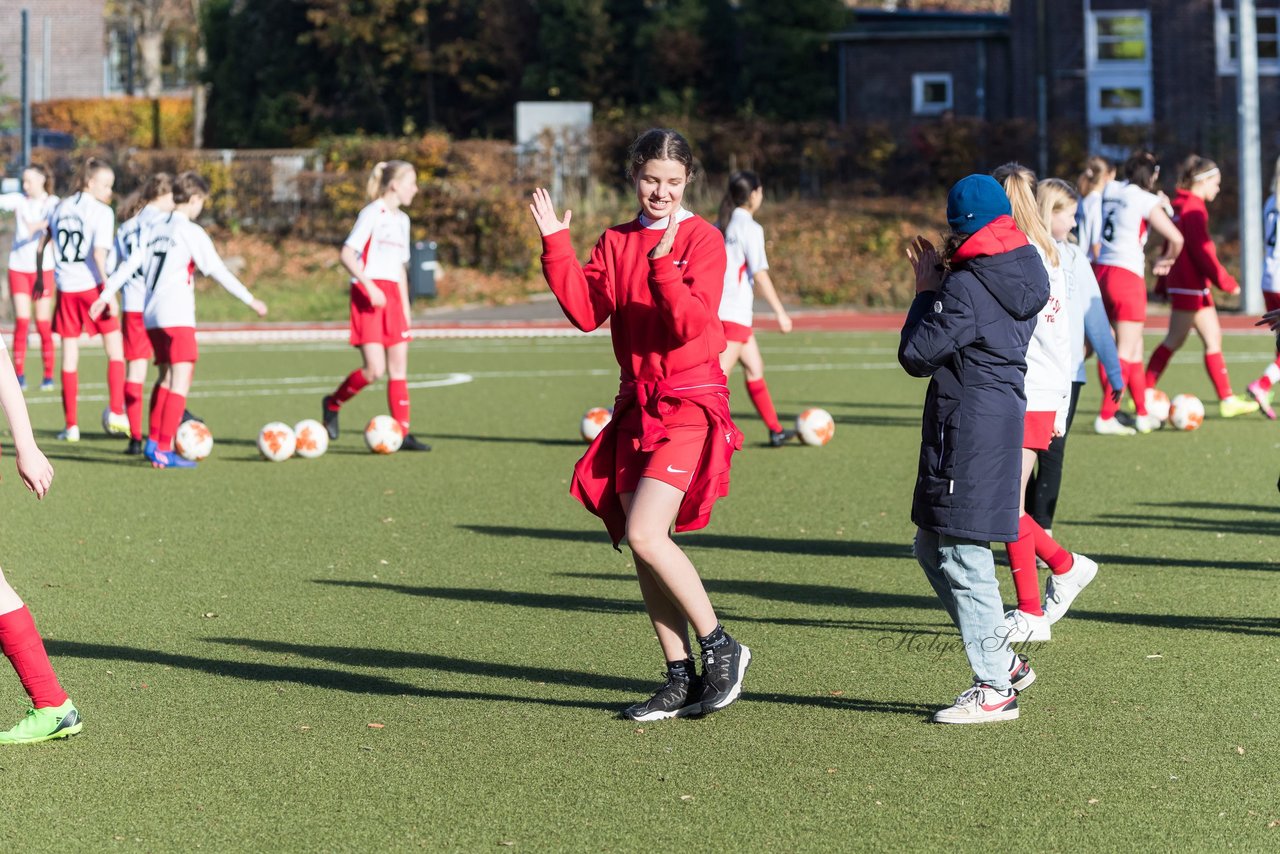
(91,167)
(383,174)
(741,185)
(1141,169)
(1019,184)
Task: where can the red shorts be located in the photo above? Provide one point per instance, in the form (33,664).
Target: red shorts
(674,461)
(174,344)
(71,315)
(137,344)
(1272,300)
(1180,301)
(24,283)
(386,325)
(736,331)
(1124,293)
(1037,430)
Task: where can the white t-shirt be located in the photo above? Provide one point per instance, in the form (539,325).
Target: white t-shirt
(129,240)
(178,247)
(1270,261)
(381,239)
(744,247)
(1048,379)
(22,257)
(79,225)
(1089,222)
(1125,209)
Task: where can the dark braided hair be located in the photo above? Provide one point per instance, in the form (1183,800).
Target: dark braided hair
(660,144)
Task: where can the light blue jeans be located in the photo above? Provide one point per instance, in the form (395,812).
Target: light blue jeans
(963,573)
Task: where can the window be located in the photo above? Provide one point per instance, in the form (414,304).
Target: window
(1227,32)
(1119,40)
(931,94)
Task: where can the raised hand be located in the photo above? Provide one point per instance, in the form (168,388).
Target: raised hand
(544,214)
(668,237)
(924,260)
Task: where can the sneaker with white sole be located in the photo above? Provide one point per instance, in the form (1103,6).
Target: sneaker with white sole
(980,704)
(117,423)
(1230,407)
(1020,673)
(71,434)
(677,698)
(1111,427)
(1062,590)
(723,670)
(1146,424)
(1022,627)
(1264,399)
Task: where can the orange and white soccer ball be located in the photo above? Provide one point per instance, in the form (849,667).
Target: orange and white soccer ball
(312,440)
(384,435)
(276,441)
(1186,412)
(1158,405)
(193,441)
(815,426)
(594,420)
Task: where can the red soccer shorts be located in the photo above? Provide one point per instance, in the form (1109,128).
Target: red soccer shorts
(385,325)
(1124,293)
(137,344)
(1182,301)
(736,331)
(71,315)
(674,461)
(174,344)
(24,283)
(1037,430)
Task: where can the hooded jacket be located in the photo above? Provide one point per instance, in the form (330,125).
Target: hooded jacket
(970,337)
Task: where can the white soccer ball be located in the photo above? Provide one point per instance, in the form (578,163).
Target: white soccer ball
(1186,412)
(276,441)
(113,424)
(194,441)
(312,439)
(594,420)
(384,435)
(815,426)
(1158,405)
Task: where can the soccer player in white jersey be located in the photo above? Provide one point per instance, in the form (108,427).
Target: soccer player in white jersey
(1098,172)
(746,272)
(32,209)
(177,248)
(1261,388)
(375,253)
(1128,206)
(156,200)
(82,229)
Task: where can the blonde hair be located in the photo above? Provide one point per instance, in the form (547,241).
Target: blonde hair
(382,176)
(1096,169)
(1054,195)
(1019,184)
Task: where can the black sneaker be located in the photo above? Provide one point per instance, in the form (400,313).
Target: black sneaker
(329,417)
(135,448)
(723,669)
(412,443)
(778,438)
(677,698)
(188,415)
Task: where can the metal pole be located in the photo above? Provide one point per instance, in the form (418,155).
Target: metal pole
(1042,89)
(1249,138)
(26,93)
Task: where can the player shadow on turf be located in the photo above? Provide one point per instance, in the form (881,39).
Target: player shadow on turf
(516,440)
(1150,562)
(1263,626)
(1130,521)
(1209,505)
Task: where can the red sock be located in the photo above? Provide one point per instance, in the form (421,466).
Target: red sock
(21,327)
(170,418)
(1022,560)
(1217,368)
(133,408)
(1159,361)
(159,396)
(115,386)
(70,391)
(22,645)
(1047,549)
(398,401)
(348,389)
(1136,379)
(1108,409)
(763,403)
(45,328)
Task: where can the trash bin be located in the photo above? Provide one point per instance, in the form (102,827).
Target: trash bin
(424,269)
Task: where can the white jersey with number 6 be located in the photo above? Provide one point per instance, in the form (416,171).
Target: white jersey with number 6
(79,225)
(129,240)
(1125,209)
(22,257)
(381,238)
(744,248)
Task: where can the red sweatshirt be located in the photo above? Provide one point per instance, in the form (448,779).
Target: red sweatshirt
(1198,266)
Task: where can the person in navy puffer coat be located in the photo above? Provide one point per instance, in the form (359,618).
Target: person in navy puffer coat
(968,330)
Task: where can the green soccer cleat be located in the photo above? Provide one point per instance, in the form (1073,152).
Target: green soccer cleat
(45,724)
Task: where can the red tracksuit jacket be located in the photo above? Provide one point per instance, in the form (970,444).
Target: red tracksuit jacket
(1198,266)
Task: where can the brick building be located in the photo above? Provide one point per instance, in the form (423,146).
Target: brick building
(67,44)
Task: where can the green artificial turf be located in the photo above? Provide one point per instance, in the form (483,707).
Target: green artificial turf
(230,633)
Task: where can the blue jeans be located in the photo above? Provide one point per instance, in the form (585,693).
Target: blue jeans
(963,573)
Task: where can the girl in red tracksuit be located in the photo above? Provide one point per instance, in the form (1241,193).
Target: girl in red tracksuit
(1189,284)
(664,458)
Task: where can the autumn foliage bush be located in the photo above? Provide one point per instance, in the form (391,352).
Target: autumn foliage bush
(115,123)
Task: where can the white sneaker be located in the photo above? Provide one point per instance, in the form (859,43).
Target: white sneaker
(71,434)
(116,423)
(1146,423)
(1023,627)
(979,705)
(1111,427)
(1062,590)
